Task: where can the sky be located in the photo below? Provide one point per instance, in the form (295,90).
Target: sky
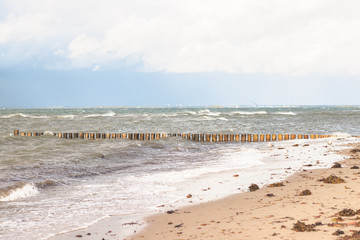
(170,53)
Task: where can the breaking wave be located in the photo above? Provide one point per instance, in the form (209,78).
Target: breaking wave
(18,191)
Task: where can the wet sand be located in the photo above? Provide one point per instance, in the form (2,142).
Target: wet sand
(271,212)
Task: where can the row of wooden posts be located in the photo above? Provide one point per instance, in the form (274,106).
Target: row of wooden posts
(190,136)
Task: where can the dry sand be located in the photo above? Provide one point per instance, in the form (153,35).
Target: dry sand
(271,212)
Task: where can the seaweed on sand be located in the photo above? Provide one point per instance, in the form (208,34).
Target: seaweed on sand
(333,179)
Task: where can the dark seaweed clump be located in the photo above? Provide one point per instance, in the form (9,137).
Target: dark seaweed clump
(302,227)
(253,187)
(354,167)
(354,236)
(305,192)
(333,179)
(336,165)
(279,184)
(355,150)
(347,212)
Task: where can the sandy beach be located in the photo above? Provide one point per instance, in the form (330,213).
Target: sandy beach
(272,212)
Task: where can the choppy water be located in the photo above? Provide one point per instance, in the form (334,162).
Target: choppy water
(67,184)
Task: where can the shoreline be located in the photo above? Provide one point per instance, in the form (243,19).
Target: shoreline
(271,212)
(114,226)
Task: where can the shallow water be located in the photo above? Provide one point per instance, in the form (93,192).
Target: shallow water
(67,184)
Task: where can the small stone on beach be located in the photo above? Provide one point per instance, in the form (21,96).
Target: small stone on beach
(253,187)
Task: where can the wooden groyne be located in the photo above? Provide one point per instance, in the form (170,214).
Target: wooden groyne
(200,137)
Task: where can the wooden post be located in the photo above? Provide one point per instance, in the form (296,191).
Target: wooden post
(220,137)
(280,137)
(237,137)
(107,135)
(142,137)
(113,135)
(249,137)
(293,136)
(226,137)
(208,137)
(16,132)
(316,136)
(255,138)
(124,135)
(300,136)
(92,135)
(322,136)
(312,136)
(286,137)
(231,138)
(22,134)
(213,137)
(76,135)
(262,137)
(273,137)
(243,137)
(327,136)
(306,136)
(268,137)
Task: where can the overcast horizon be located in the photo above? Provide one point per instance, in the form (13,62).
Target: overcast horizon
(190,53)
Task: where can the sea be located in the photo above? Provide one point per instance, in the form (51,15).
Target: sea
(50,185)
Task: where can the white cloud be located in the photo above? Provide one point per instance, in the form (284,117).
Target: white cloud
(270,36)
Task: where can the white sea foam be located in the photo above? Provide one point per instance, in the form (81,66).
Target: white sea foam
(248,113)
(108,114)
(26,190)
(223,119)
(23,115)
(286,113)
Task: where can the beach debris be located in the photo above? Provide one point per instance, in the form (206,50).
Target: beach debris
(338,219)
(333,179)
(336,165)
(295,145)
(302,227)
(354,236)
(179,225)
(329,143)
(189,196)
(129,223)
(308,165)
(236,175)
(253,187)
(305,192)
(270,145)
(306,145)
(170,212)
(278,184)
(338,232)
(170,223)
(347,212)
(78,236)
(355,150)
(270,195)
(354,167)
(89,234)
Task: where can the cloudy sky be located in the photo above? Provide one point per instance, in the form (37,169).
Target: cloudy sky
(169,52)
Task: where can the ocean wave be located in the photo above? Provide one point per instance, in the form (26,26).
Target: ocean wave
(66,116)
(23,115)
(108,114)
(18,191)
(223,119)
(248,113)
(286,113)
